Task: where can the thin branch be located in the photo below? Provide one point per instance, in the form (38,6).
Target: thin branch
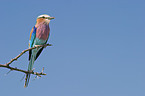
(20,70)
(7,65)
(38,46)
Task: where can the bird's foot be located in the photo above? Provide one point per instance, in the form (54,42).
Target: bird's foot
(37,46)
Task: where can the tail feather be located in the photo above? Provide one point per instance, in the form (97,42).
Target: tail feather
(30,66)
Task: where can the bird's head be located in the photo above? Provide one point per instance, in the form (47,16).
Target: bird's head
(45,18)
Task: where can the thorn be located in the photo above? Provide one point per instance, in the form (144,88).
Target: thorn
(33,69)
(8,72)
(22,78)
(42,70)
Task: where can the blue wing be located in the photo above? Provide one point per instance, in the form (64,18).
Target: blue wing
(31,40)
(32,36)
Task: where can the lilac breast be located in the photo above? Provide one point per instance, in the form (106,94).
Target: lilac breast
(43,31)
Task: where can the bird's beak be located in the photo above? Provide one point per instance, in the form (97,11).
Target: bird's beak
(50,18)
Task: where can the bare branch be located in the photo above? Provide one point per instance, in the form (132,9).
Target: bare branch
(20,70)
(38,46)
(7,65)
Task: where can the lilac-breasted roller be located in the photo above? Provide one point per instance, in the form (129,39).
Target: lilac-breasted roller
(38,36)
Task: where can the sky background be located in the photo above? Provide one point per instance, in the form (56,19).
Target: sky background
(98,47)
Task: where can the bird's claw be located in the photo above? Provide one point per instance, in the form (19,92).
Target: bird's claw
(37,46)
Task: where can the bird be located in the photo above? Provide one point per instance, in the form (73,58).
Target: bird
(38,36)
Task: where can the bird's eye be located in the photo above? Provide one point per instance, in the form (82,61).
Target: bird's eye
(43,17)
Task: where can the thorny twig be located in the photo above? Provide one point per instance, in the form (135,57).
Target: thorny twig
(7,65)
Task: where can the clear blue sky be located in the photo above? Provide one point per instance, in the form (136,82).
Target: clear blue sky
(98,47)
